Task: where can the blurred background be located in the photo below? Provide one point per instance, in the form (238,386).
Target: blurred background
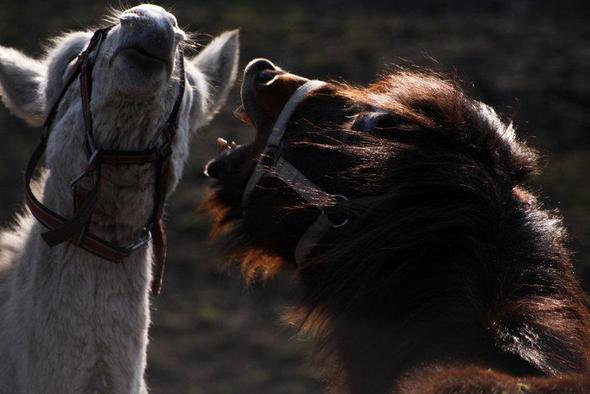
(528,59)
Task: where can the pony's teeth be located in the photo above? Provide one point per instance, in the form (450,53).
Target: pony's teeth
(222,144)
(240,114)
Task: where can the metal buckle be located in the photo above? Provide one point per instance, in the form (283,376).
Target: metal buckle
(145,237)
(270,157)
(166,149)
(90,167)
(339,197)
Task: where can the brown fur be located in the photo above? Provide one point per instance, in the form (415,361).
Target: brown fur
(450,277)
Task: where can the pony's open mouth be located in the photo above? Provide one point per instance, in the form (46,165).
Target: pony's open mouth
(230,154)
(265,90)
(249,112)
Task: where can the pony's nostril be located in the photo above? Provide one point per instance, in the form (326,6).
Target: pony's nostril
(260,64)
(261,71)
(265,76)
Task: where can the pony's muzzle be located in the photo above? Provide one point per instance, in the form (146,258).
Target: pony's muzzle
(228,162)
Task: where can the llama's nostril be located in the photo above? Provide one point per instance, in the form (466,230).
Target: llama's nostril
(179,35)
(173,20)
(128,18)
(148,13)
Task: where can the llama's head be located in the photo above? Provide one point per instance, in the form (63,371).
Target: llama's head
(399,160)
(135,82)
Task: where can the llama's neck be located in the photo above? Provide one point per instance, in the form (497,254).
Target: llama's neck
(86,318)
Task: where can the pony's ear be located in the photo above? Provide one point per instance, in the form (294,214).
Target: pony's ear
(219,62)
(22,83)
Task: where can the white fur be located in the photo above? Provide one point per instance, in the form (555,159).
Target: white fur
(71,322)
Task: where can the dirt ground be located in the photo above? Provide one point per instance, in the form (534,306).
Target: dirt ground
(213,334)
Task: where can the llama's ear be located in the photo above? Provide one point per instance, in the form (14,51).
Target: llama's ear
(219,62)
(22,82)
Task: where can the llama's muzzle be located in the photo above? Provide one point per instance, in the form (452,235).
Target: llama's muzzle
(149,37)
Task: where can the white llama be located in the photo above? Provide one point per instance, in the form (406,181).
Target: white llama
(71,321)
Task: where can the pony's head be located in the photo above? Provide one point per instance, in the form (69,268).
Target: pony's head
(401,204)
(410,159)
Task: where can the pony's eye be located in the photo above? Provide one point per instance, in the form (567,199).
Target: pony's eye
(371,121)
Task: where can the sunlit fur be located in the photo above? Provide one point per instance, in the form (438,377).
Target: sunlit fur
(71,322)
(450,276)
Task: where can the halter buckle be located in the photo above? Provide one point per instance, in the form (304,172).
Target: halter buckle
(165,150)
(90,167)
(270,157)
(146,236)
(340,197)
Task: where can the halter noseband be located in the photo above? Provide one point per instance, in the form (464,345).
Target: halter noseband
(277,166)
(76,229)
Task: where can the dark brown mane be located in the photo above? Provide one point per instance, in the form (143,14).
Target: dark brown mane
(453,262)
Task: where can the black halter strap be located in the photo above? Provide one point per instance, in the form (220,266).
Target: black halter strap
(279,167)
(75,229)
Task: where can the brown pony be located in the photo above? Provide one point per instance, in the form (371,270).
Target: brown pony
(447,275)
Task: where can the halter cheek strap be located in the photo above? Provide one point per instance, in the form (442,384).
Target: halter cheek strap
(273,144)
(281,168)
(76,229)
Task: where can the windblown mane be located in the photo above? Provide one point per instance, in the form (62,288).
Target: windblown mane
(449,231)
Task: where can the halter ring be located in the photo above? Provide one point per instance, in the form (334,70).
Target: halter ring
(346,220)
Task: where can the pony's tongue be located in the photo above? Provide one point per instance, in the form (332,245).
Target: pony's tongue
(223,145)
(241,115)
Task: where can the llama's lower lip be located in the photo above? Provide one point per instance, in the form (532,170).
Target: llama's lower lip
(141,56)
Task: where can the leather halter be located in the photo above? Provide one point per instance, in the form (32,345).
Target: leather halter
(277,166)
(76,229)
